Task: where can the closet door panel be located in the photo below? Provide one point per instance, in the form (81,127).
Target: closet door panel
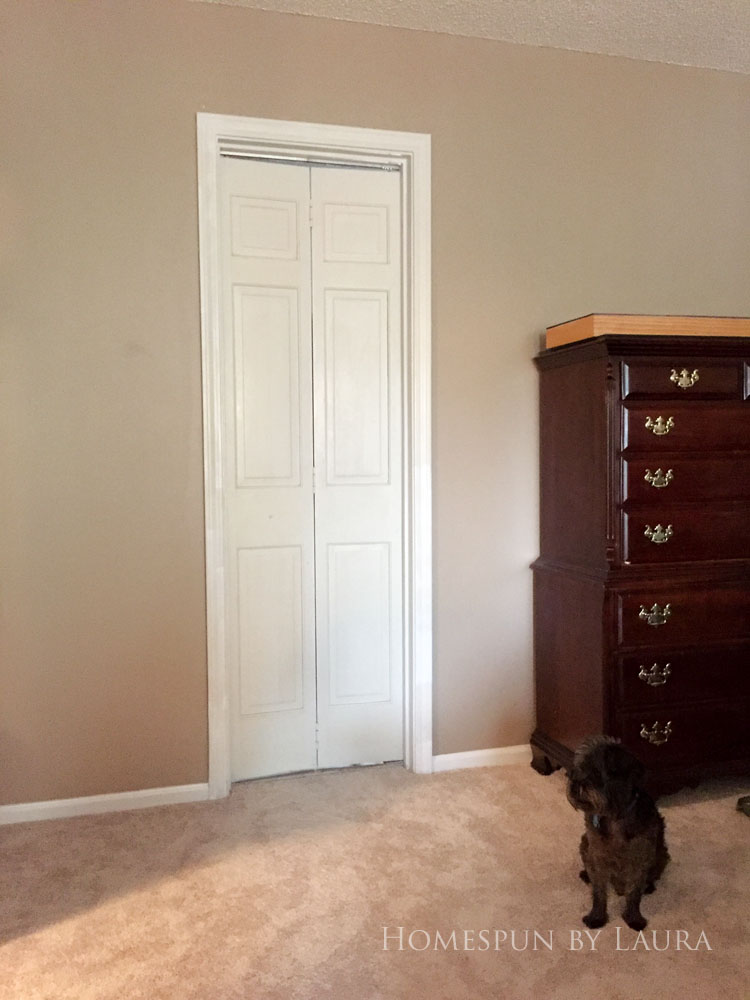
(357,343)
(268,508)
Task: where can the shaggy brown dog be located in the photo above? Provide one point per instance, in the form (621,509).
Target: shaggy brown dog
(623,845)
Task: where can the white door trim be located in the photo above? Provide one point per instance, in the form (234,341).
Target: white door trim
(310,143)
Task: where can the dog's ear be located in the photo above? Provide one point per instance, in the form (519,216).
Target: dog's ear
(578,785)
(577,778)
(576,774)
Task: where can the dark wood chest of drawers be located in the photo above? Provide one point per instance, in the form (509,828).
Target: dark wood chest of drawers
(642,587)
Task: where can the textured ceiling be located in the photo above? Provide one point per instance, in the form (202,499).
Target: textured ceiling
(708,33)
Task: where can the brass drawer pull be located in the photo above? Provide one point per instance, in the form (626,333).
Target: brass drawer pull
(685,379)
(656,616)
(655,676)
(659,480)
(660,426)
(656,735)
(658,535)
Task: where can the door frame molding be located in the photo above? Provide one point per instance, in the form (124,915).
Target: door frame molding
(219,135)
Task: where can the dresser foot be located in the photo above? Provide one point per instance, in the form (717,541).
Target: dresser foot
(541,762)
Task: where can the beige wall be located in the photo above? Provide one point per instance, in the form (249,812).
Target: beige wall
(563,184)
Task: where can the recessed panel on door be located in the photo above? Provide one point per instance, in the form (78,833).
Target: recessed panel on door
(357,386)
(359,628)
(270,614)
(267,386)
(262,227)
(356,233)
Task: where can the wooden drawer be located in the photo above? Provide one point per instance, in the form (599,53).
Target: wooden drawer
(664,615)
(682,378)
(685,428)
(654,677)
(686,533)
(686,478)
(691,735)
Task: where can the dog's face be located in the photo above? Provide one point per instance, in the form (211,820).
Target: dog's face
(605,778)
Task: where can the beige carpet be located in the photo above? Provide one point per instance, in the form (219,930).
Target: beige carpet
(283,891)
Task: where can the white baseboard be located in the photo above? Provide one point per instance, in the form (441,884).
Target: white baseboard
(25,812)
(482,758)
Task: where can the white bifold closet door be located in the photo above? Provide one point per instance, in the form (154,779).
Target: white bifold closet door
(312,327)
